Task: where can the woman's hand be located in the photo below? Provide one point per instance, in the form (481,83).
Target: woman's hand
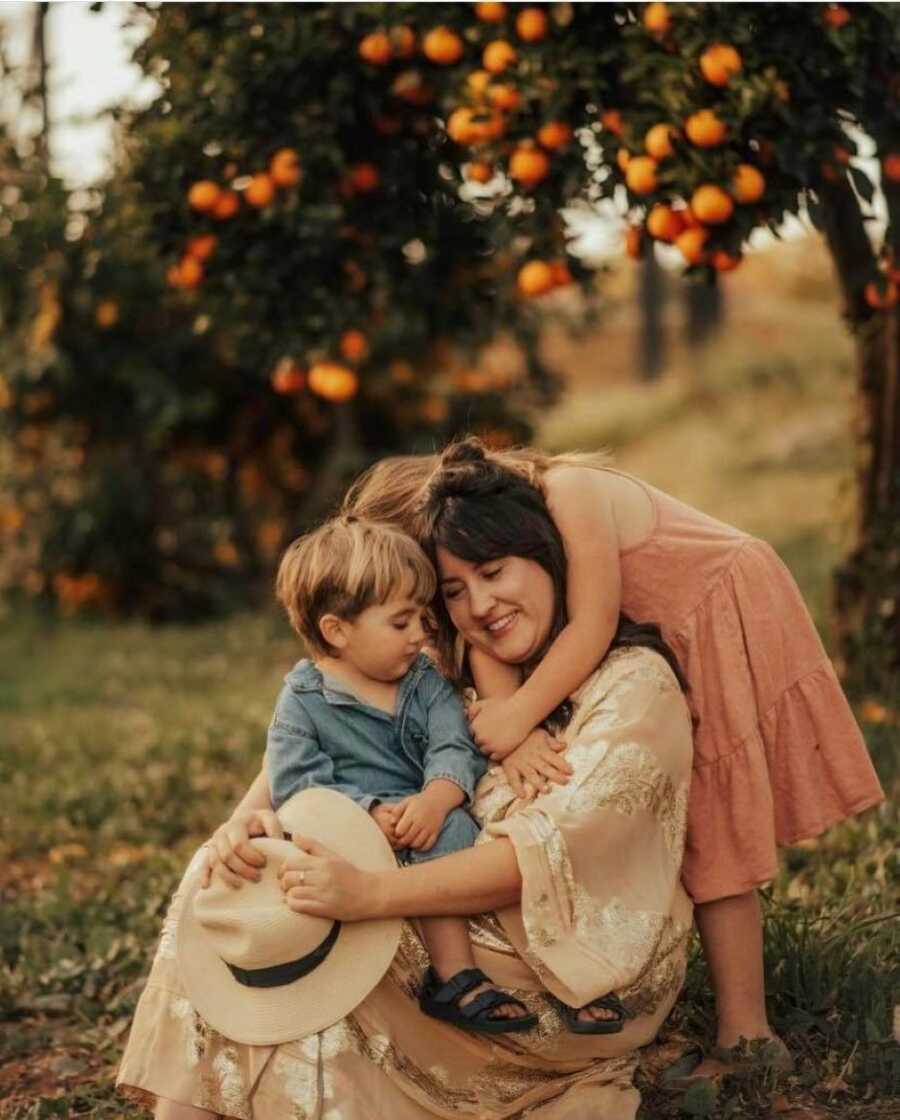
(497,727)
(537,763)
(316,880)
(229,852)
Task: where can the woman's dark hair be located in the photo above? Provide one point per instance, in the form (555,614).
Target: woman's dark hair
(480,511)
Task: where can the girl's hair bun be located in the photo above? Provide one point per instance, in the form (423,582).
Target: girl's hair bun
(469,450)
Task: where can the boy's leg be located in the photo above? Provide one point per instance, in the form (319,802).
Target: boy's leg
(447,940)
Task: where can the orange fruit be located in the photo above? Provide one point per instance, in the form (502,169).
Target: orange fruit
(724,262)
(531,25)
(640,174)
(554,135)
(364,178)
(835,15)
(687,216)
(748,184)
(106,314)
(705,129)
(202,246)
(658,140)
(190,273)
(443,46)
(479,172)
(498,56)
(535,278)
(403,41)
(260,191)
(411,87)
(228,204)
(634,242)
(657,19)
(375,48)
(611,119)
(528,166)
(354,346)
(505,97)
(711,205)
(561,273)
(623,158)
(890,166)
(490,13)
(477,83)
(287,377)
(880,295)
(203,195)
(719,63)
(333,381)
(664,223)
(468,126)
(284,167)
(691,244)
(461,126)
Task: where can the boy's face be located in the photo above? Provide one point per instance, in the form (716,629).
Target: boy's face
(383,641)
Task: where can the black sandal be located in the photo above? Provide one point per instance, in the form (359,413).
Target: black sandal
(440,1000)
(609,1002)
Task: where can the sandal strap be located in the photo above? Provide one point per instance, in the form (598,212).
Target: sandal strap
(460,984)
(489,1001)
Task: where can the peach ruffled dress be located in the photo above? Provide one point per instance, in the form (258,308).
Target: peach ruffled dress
(778,756)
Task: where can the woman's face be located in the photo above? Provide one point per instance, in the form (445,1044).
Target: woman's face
(503,606)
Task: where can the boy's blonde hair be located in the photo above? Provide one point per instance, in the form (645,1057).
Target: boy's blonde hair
(344,567)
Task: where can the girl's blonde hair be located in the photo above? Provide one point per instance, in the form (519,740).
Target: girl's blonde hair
(346,566)
(396,489)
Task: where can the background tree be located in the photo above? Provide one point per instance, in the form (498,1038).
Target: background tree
(352,200)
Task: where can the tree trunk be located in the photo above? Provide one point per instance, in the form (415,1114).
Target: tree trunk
(39,63)
(652,298)
(867,583)
(703,311)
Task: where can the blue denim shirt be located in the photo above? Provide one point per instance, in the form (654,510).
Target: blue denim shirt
(320,736)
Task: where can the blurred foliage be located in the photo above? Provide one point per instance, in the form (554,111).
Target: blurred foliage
(323,220)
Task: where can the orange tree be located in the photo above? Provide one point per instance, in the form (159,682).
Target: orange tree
(398,171)
(351,200)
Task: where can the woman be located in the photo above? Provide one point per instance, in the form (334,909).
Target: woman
(578,893)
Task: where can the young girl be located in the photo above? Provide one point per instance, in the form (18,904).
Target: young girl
(778,757)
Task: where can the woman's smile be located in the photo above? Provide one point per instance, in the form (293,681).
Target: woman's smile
(504,605)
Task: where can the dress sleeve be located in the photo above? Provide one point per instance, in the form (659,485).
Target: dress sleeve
(601,857)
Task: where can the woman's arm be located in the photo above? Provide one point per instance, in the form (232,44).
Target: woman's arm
(584,517)
(317,881)
(256,797)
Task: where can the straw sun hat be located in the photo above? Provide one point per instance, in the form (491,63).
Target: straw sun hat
(258,972)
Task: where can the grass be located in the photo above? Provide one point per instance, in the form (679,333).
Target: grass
(121,747)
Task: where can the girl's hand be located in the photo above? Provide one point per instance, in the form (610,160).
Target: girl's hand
(497,727)
(229,852)
(532,768)
(316,880)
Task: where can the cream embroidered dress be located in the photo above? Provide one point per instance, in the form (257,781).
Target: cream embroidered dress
(602,909)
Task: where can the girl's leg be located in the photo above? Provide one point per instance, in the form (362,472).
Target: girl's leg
(171,1110)
(731,933)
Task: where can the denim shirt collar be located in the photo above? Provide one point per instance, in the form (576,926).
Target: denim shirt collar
(306,677)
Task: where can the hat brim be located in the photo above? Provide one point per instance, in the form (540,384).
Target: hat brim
(359,959)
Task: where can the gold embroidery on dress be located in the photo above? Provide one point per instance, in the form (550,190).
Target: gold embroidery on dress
(223,1086)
